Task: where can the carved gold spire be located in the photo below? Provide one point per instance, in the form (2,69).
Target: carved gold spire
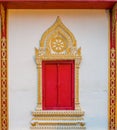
(59,32)
(58,40)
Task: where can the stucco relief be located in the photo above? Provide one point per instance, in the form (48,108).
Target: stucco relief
(58,43)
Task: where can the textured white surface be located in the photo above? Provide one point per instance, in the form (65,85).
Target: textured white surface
(90,28)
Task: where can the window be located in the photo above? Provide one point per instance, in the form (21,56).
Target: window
(58,85)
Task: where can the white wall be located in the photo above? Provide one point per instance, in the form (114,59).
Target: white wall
(90,28)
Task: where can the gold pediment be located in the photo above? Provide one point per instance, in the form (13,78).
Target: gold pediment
(58,40)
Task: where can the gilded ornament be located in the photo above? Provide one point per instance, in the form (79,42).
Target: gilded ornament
(58,43)
(3,72)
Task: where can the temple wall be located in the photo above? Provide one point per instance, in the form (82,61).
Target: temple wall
(91,29)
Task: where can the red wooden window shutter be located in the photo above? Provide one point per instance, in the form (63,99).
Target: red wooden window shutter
(58,85)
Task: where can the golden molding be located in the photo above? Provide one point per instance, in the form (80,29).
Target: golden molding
(112,107)
(68,52)
(58,118)
(56,127)
(3,72)
(58,113)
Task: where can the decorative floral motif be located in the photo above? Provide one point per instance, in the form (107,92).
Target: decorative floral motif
(58,44)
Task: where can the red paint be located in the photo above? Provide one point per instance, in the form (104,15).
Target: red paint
(58,85)
(58,4)
(49,85)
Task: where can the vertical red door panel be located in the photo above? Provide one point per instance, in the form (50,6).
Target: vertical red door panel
(58,85)
(65,86)
(49,86)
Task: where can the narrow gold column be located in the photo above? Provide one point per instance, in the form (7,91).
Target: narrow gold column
(77,83)
(39,68)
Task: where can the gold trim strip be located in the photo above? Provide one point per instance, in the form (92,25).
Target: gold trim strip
(112,121)
(4,71)
(58,118)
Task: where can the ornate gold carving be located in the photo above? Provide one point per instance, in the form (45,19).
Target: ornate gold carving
(58,123)
(113,72)
(57,29)
(58,118)
(56,127)
(112,86)
(58,43)
(59,113)
(3,72)
(61,45)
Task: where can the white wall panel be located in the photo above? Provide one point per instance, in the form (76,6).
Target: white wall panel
(90,28)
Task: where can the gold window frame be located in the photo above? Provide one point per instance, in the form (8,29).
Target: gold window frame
(112,80)
(58,43)
(71,52)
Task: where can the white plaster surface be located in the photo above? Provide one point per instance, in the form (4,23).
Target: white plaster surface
(90,28)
